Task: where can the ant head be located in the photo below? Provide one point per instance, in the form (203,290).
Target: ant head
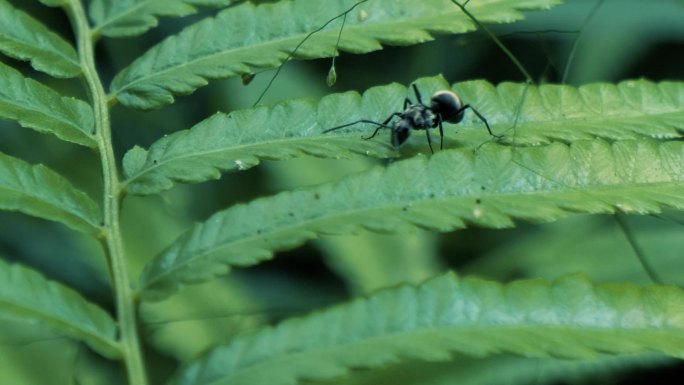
(448,105)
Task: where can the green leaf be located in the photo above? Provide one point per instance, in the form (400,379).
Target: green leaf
(27,296)
(492,188)
(25,38)
(244,38)
(41,192)
(239,140)
(36,106)
(123,18)
(570,318)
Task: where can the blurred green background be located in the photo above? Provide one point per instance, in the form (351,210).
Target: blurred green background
(625,39)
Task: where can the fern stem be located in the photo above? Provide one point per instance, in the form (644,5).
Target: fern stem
(112,239)
(496,40)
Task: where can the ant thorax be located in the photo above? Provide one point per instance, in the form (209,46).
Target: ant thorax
(420,117)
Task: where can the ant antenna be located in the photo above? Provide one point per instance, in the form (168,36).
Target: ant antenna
(294,51)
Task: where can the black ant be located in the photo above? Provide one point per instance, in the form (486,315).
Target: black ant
(445,106)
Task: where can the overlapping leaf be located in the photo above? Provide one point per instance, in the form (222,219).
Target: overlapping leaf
(238,140)
(119,18)
(25,38)
(27,296)
(493,188)
(570,318)
(246,37)
(36,106)
(41,192)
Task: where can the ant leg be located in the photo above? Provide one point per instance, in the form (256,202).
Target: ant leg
(415,90)
(429,139)
(441,132)
(482,118)
(407,102)
(393,115)
(376,132)
(399,136)
(381,125)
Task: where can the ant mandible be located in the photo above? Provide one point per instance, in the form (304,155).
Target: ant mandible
(445,106)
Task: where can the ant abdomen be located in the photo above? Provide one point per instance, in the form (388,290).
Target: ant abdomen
(448,105)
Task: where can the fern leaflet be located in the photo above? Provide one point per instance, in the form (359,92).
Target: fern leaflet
(36,106)
(569,318)
(237,141)
(27,296)
(492,189)
(25,38)
(243,38)
(41,192)
(123,18)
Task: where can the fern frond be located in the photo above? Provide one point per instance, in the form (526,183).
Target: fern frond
(569,318)
(27,296)
(239,140)
(25,38)
(36,106)
(243,38)
(124,18)
(41,192)
(495,187)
